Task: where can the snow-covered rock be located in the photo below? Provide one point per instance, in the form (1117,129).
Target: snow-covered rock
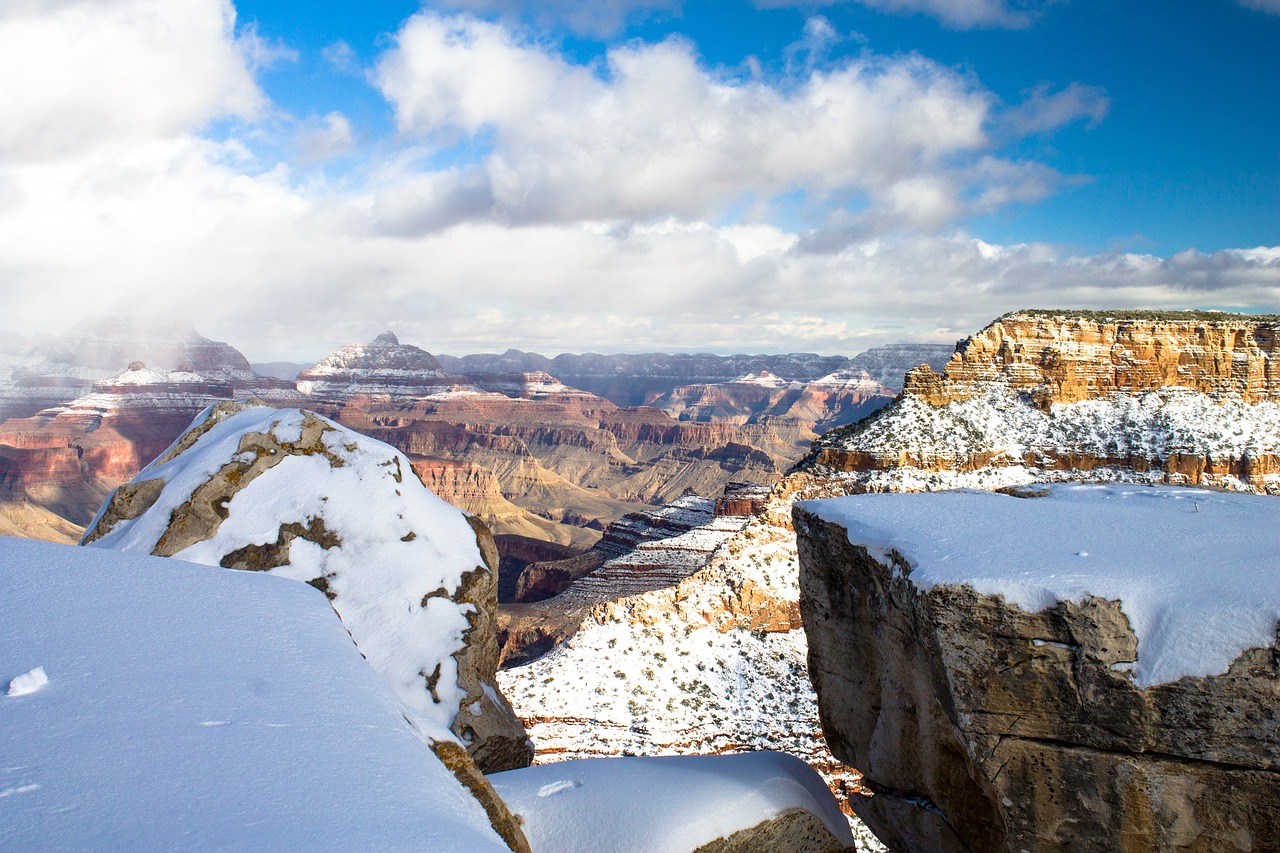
(1083,666)
(384,368)
(290,493)
(754,801)
(195,708)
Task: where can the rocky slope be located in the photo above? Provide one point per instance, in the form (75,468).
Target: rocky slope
(413,579)
(710,661)
(1076,686)
(1050,396)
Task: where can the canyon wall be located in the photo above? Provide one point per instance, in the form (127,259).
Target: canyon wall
(1173,398)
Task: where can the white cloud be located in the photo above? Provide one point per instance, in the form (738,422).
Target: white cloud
(594,221)
(342,57)
(655,133)
(322,138)
(1045,110)
(78,71)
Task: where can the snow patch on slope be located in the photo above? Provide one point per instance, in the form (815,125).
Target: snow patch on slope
(661,805)
(311,750)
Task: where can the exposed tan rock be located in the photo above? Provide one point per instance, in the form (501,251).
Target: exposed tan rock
(980,726)
(1065,357)
(795,831)
(1182,399)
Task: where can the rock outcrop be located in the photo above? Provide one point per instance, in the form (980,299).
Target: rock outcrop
(1090,723)
(1066,357)
(54,371)
(1036,396)
(288,492)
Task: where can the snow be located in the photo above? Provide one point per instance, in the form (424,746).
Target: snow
(399,543)
(655,805)
(29,682)
(194,708)
(1195,570)
(1151,424)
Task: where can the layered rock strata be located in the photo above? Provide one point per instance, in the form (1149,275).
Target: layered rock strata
(800,410)
(565,458)
(1089,722)
(290,493)
(1179,399)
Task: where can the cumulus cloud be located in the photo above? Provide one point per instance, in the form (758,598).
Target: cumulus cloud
(78,71)
(656,133)
(587,215)
(958,14)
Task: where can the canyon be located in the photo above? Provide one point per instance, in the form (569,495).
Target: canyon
(696,653)
(537,459)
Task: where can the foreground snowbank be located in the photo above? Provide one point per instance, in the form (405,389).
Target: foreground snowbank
(655,805)
(189,707)
(1194,570)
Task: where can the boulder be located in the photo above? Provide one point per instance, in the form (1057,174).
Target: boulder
(291,493)
(984,723)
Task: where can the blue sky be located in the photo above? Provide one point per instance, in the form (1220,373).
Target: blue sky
(634,174)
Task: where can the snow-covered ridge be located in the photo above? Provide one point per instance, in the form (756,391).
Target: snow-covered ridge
(1154,549)
(1002,428)
(390,544)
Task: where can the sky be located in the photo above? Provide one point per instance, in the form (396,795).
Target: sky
(632,175)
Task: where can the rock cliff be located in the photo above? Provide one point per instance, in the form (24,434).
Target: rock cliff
(290,493)
(1174,398)
(995,705)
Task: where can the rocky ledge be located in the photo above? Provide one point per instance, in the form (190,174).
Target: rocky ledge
(1091,668)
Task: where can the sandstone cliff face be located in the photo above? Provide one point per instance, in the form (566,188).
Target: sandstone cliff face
(1066,358)
(287,492)
(981,725)
(1039,396)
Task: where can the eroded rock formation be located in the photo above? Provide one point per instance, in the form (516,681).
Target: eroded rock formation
(980,725)
(290,493)
(1066,357)
(1162,398)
